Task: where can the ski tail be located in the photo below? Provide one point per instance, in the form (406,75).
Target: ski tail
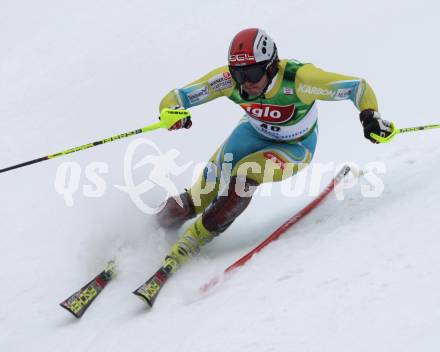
(149,291)
(80,301)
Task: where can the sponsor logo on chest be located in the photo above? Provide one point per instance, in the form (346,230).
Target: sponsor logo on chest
(269,113)
(288,91)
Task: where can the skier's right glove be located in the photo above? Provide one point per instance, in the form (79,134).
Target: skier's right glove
(183,123)
(373,123)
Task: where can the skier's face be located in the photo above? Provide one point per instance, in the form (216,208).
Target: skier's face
(255,89)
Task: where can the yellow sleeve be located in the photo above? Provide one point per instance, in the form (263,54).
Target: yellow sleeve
(215,84)
(312,84)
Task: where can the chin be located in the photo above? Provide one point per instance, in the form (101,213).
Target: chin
(253,92)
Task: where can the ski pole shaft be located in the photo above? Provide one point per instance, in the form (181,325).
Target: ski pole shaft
(419,128)
(396,131)
(72,150)
(166,122)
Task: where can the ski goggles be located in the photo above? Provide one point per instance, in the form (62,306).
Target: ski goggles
(251,73)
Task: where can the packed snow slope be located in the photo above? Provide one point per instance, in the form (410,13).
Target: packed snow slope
(360,274)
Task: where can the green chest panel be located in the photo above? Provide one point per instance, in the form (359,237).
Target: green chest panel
(284,108)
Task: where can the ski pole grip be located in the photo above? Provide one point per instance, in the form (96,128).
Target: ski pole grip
(168,117)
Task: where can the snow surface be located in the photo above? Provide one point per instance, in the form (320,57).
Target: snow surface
(356,275)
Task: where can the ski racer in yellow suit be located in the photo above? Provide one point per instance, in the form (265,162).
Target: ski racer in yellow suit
(275,138)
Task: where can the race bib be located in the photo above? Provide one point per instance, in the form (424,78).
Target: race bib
(285,133)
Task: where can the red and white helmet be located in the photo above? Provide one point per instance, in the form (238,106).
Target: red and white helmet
(252,46)
(252,54)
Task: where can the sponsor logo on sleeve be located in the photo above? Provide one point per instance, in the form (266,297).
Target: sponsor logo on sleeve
(220,81)
(316,90)
(343,93)
(198,95)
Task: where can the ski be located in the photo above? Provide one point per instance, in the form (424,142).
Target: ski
(81,300)
(149,290)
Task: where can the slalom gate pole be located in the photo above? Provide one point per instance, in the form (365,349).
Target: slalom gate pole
(165,122)
(281,230)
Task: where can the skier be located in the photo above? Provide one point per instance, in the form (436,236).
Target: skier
(278,133)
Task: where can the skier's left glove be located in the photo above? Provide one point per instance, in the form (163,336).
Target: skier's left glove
(373,123)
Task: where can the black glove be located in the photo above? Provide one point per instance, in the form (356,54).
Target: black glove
(373,123)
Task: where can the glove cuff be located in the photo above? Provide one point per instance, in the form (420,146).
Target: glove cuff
(367,115)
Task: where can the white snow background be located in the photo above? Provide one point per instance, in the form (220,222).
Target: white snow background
(356,275)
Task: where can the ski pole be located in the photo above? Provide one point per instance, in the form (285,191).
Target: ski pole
(168,118)
(396,131)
